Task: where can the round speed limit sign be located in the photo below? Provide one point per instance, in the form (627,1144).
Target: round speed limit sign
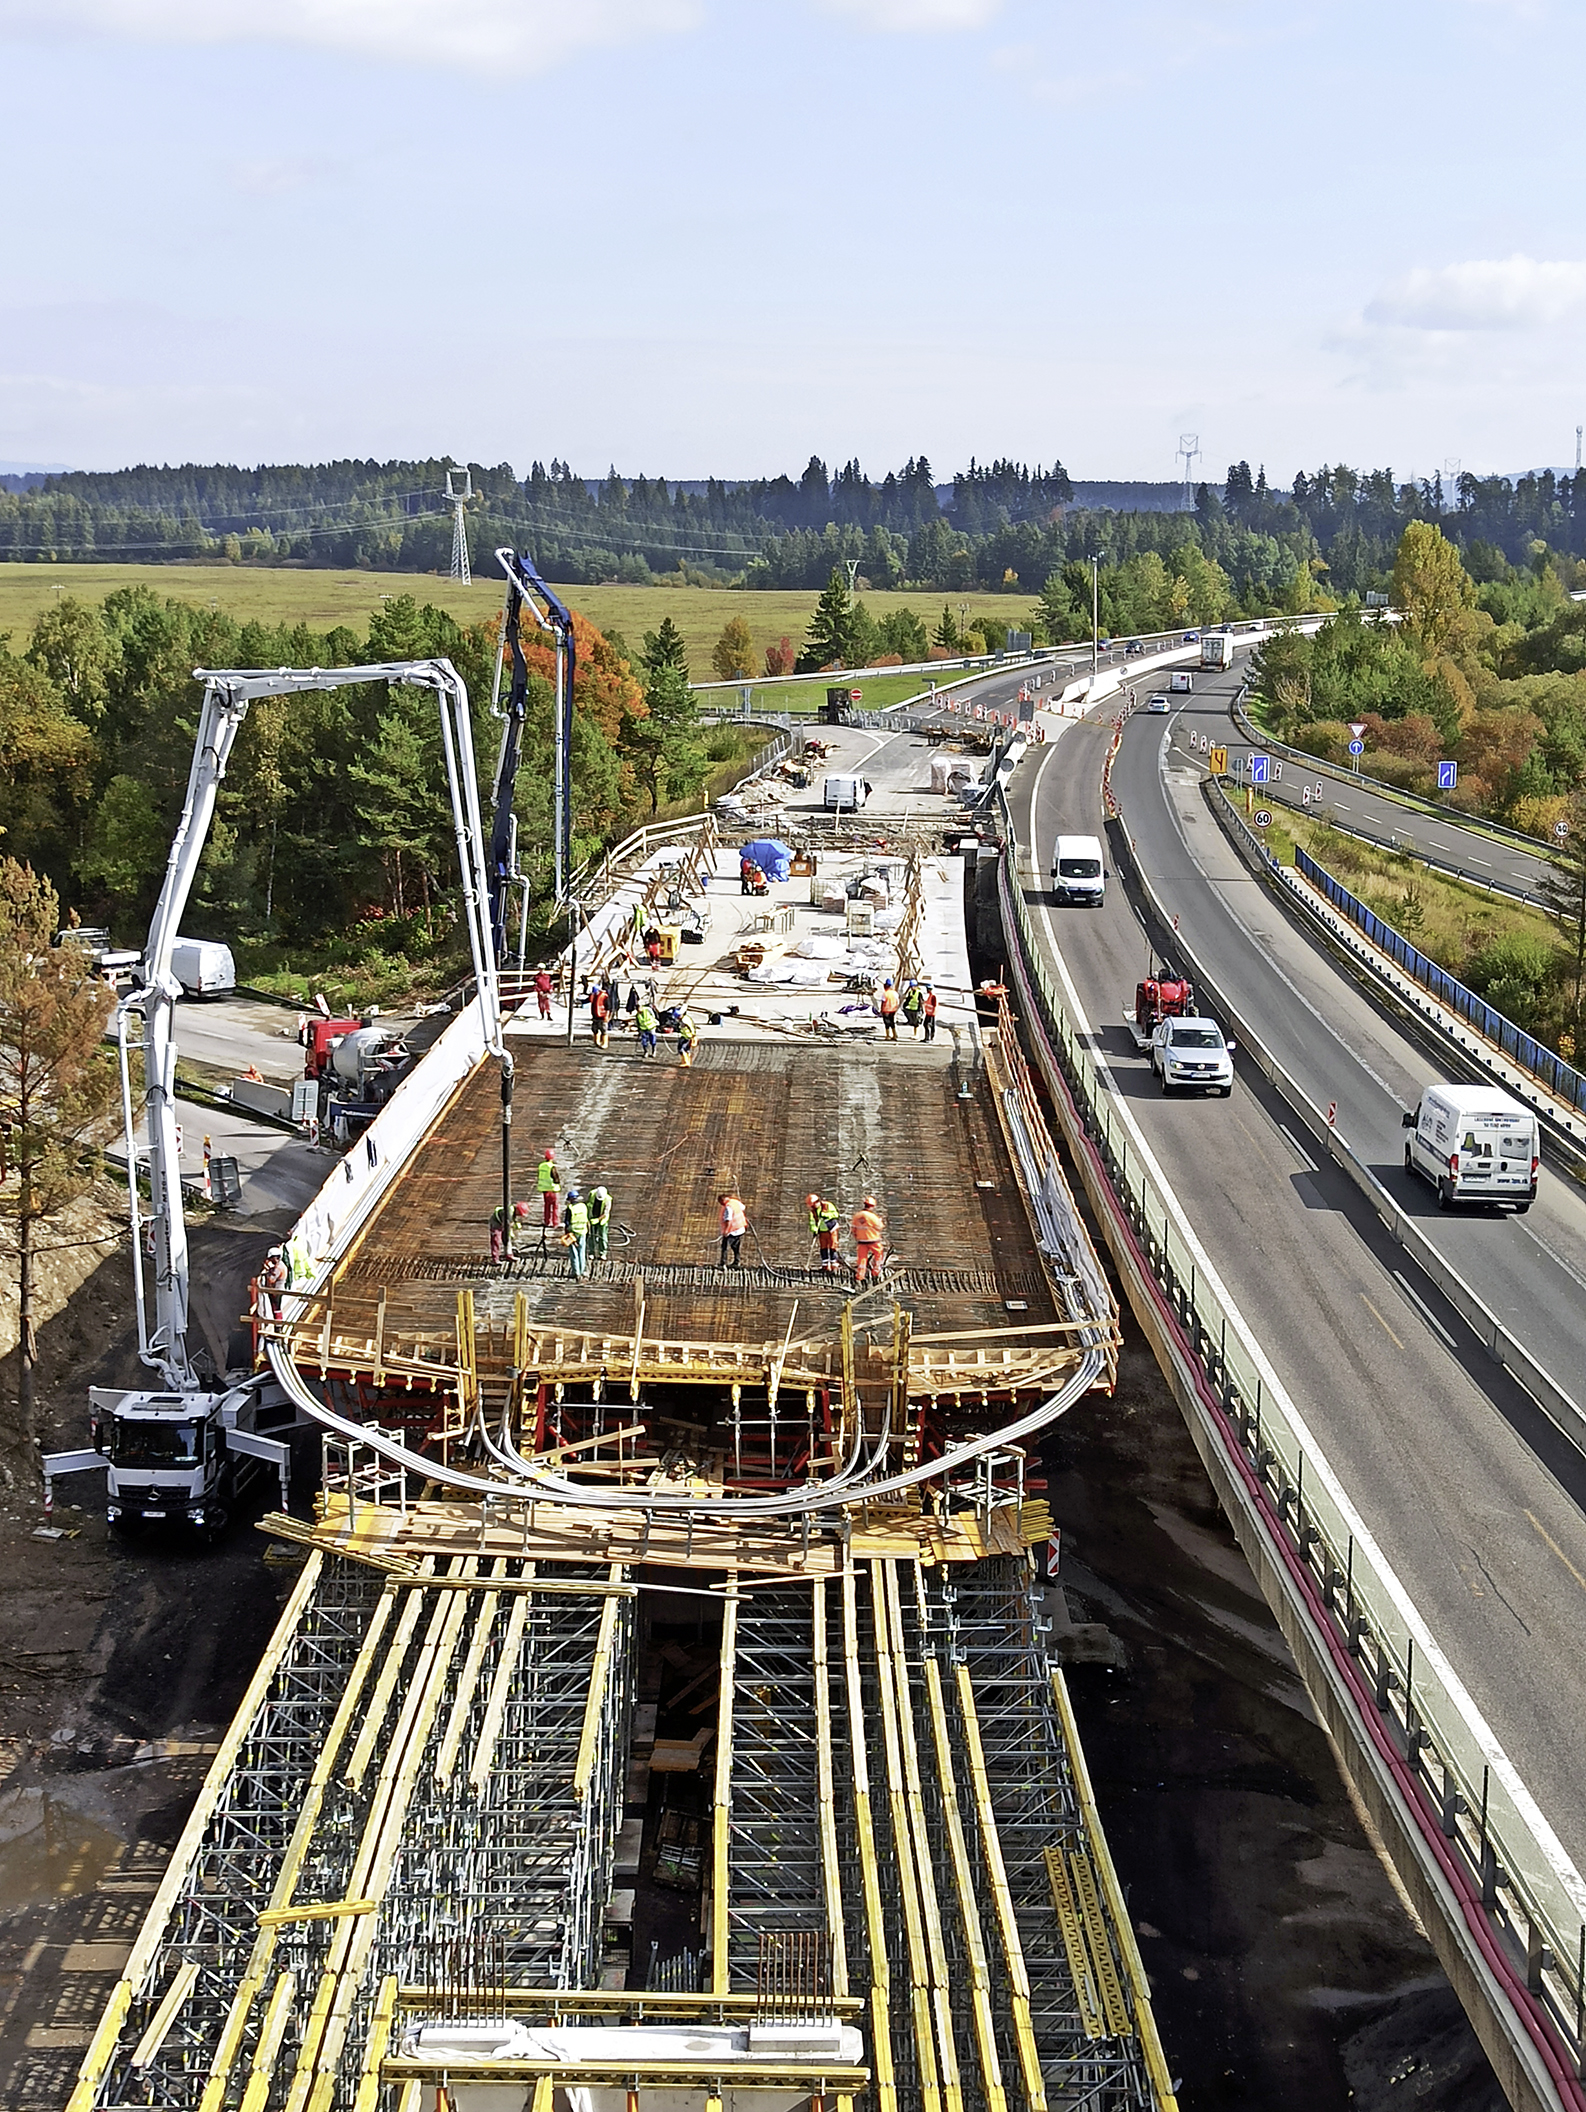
(1263,820)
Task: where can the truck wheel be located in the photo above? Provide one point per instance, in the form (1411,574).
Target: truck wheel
(1445,1195)
(216,1522)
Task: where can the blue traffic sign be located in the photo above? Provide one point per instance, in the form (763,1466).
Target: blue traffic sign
(1357,747)
(1447,776)
(1259,767)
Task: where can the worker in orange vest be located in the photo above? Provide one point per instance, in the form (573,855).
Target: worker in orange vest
(887,1006)
(734,1224)
(869,1231)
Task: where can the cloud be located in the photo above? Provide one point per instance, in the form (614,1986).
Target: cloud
(915,15)
(486,36)
(1518,293)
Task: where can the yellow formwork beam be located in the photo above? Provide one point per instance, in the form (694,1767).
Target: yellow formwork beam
(721,1816)
(1118,1912)
(1002,1899)
(920,1979)
(1081,1966)
(368,2097)
(267,2052)
(496,1705)
(964,1883)
(102,2047)
(826,1792)
(875,1925)
(384,1687)
(595,1700)
(165,2016)
(924,1859)
(467,1684)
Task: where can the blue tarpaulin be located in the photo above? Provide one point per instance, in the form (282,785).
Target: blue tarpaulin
(774,859)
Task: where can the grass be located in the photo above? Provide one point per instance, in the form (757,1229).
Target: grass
(1444,918)
(323,599)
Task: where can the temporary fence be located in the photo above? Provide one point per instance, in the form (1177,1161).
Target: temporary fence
(1523,1049)
(1520,1899)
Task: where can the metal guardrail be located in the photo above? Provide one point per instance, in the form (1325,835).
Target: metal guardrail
(1522,1049)
(1522,1898)
(1538,846)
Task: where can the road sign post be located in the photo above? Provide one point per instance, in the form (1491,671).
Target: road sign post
(1260,769)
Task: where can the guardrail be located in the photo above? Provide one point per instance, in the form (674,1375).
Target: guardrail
(1518,1897)
(1538,846)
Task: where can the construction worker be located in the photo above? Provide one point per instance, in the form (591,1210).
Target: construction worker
(928,1011)
(518,1229)
(599,1223)
(824,1220)
(734,1224)
(498,1233)
(644,1019)
(599,1012)
(575,1228)
(887,1006)
(869,1231)
(272,1282)
(914,1006)
(652,946)
(542,990)
(687,1037)
(549,1183)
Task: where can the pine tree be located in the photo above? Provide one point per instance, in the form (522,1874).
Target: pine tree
(831,636)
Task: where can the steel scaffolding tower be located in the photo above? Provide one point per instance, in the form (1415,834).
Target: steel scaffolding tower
(459,490)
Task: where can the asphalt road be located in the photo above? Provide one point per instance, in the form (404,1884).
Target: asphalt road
(1475,1499)
(1488,860)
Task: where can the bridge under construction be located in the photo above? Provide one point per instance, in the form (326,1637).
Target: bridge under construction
(665,1717)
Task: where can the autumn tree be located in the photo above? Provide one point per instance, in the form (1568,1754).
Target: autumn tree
(779,658)
(734,655)
(1564,891)
(1431,588)
(57,1084)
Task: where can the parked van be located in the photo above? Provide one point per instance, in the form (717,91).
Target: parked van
(203,967)
(1474,1143)
(1181,682)
(1078,872)
(847,794)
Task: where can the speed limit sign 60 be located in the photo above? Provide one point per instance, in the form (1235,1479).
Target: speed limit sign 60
(1263,819)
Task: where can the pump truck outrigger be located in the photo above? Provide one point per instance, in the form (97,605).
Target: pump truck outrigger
(175,1452)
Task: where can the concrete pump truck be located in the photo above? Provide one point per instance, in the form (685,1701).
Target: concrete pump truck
(173,1452)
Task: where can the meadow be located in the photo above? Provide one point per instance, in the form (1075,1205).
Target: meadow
(282,594)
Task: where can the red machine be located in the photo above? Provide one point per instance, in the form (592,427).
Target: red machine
(1159,998)
(319,1038)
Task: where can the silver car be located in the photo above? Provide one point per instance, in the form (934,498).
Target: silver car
(1193,1054)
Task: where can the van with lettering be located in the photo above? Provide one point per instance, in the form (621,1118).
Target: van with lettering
(1474,1144)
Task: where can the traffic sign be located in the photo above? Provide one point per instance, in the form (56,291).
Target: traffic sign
(1356,728)
(1260,765)
(1332,1114)
(1447,776)
(1218,762)
(1561,830)
(1357,747)
(1263,818)
(856,694)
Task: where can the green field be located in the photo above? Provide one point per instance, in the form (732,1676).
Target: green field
(323,599)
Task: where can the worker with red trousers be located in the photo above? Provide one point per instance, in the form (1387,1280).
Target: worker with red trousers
(549,1183)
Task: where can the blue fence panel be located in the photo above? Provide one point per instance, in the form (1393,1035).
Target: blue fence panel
(1543,1063)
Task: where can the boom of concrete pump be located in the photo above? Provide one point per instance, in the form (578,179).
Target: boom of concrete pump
(526,590)
(173,1453)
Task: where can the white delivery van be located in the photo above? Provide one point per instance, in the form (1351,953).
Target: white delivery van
(1474,1143)
(1181,682)
(203,967)
(1078,872)
(846,794)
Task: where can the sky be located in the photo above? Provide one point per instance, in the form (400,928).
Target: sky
(694,237)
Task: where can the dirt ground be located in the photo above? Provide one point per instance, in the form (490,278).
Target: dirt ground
(120,1665)
(1285,1970)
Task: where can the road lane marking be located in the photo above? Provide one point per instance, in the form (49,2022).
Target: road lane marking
(1540,1528)
(1422,1308)
(1388,1331)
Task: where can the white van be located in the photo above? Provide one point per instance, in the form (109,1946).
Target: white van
(1474,1143)
(203,967)
(846,794)
(1078,871)
(1181,682)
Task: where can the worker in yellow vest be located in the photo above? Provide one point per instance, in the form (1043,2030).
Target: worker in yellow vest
(549,1183)
(575,1227)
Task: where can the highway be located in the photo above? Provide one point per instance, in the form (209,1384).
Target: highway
(1462,846)
(1476,1500)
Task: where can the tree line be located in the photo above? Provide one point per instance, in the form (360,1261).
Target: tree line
(334,816)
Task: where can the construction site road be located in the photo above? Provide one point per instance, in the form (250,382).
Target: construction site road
(1471,1493)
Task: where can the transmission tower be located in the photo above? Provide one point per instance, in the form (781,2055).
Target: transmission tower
(1189,447)
(459,490)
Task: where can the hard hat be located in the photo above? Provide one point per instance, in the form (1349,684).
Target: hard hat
(601,1190)
(274,1254)
(572,1195)
(521,1209)
(870,1202)
(812,1200)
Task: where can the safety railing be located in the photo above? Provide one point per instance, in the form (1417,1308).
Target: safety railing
(1522,1049)
(1523,1900)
